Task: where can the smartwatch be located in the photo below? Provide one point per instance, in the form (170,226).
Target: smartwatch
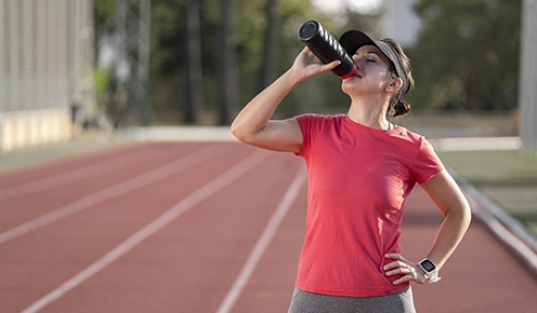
(430,268)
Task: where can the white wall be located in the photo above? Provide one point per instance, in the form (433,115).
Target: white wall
(400,22)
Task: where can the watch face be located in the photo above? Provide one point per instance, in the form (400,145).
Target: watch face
(428,265)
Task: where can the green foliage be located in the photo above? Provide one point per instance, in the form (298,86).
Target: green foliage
(101,81)
(251,24)
(167,36)
(467,55)
(168,54)
(104,11)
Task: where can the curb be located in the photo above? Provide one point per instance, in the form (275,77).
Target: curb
(178,133)
(476,143)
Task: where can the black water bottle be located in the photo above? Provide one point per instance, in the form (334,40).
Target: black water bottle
(326,48)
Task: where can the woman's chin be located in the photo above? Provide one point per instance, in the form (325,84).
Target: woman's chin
(347,85)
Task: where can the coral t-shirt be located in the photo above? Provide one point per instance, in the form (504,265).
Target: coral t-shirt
(358,180)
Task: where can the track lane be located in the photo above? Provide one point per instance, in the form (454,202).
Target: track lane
(44,258)
(270,286)
(37,183)
(88,166)
(12,178)
(189,265)
(124,187)
(154,226)
(263,242)
(18,211)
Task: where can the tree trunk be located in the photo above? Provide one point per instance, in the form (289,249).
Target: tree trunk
(194,93)
(269,65)
(229,81)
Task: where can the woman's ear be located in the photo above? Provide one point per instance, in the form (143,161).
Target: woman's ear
(394,85)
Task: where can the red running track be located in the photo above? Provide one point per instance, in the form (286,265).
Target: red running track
(201,227)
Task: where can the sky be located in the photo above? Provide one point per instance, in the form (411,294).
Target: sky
(334,6)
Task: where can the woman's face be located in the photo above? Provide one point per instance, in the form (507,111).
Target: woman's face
(372,75)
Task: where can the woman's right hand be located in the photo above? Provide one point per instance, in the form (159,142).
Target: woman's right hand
(307,65)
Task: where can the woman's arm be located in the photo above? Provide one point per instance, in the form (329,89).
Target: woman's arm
(253,125)
(448,197)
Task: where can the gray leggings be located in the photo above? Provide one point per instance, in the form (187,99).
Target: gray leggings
(307,302)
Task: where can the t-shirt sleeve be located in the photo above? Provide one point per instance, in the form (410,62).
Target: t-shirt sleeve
(427,163)
(310,125)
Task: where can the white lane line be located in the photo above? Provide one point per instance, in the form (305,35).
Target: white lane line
(263,242)
(137,182)
(166,218)
(71,176)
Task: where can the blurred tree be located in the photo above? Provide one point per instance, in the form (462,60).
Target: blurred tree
(269,66)
(104,12)
(467,55)
(195,82)
(229,81)
(168,52)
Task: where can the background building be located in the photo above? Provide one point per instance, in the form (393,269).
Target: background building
(46,64)
(400,22)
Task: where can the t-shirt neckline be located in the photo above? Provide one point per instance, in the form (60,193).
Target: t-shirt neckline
(354,124)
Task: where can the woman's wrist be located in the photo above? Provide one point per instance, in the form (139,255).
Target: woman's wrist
(430,269)
(294,77)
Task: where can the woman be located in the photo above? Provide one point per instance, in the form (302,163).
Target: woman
(361,169)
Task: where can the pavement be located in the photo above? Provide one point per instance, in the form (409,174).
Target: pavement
(507,229)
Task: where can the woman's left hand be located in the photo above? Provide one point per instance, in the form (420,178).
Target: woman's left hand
(410,271)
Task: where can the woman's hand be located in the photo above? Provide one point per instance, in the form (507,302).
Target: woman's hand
(410,271)
(307,65)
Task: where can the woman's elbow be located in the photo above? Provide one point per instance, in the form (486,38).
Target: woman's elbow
(240,133)
(235,131)
(467,213)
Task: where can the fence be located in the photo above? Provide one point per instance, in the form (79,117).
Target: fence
(528,77)
(46,58)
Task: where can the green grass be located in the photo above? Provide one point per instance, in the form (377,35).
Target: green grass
(506,168)
(507,177)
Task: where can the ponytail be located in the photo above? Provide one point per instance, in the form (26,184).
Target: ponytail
(401,107)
